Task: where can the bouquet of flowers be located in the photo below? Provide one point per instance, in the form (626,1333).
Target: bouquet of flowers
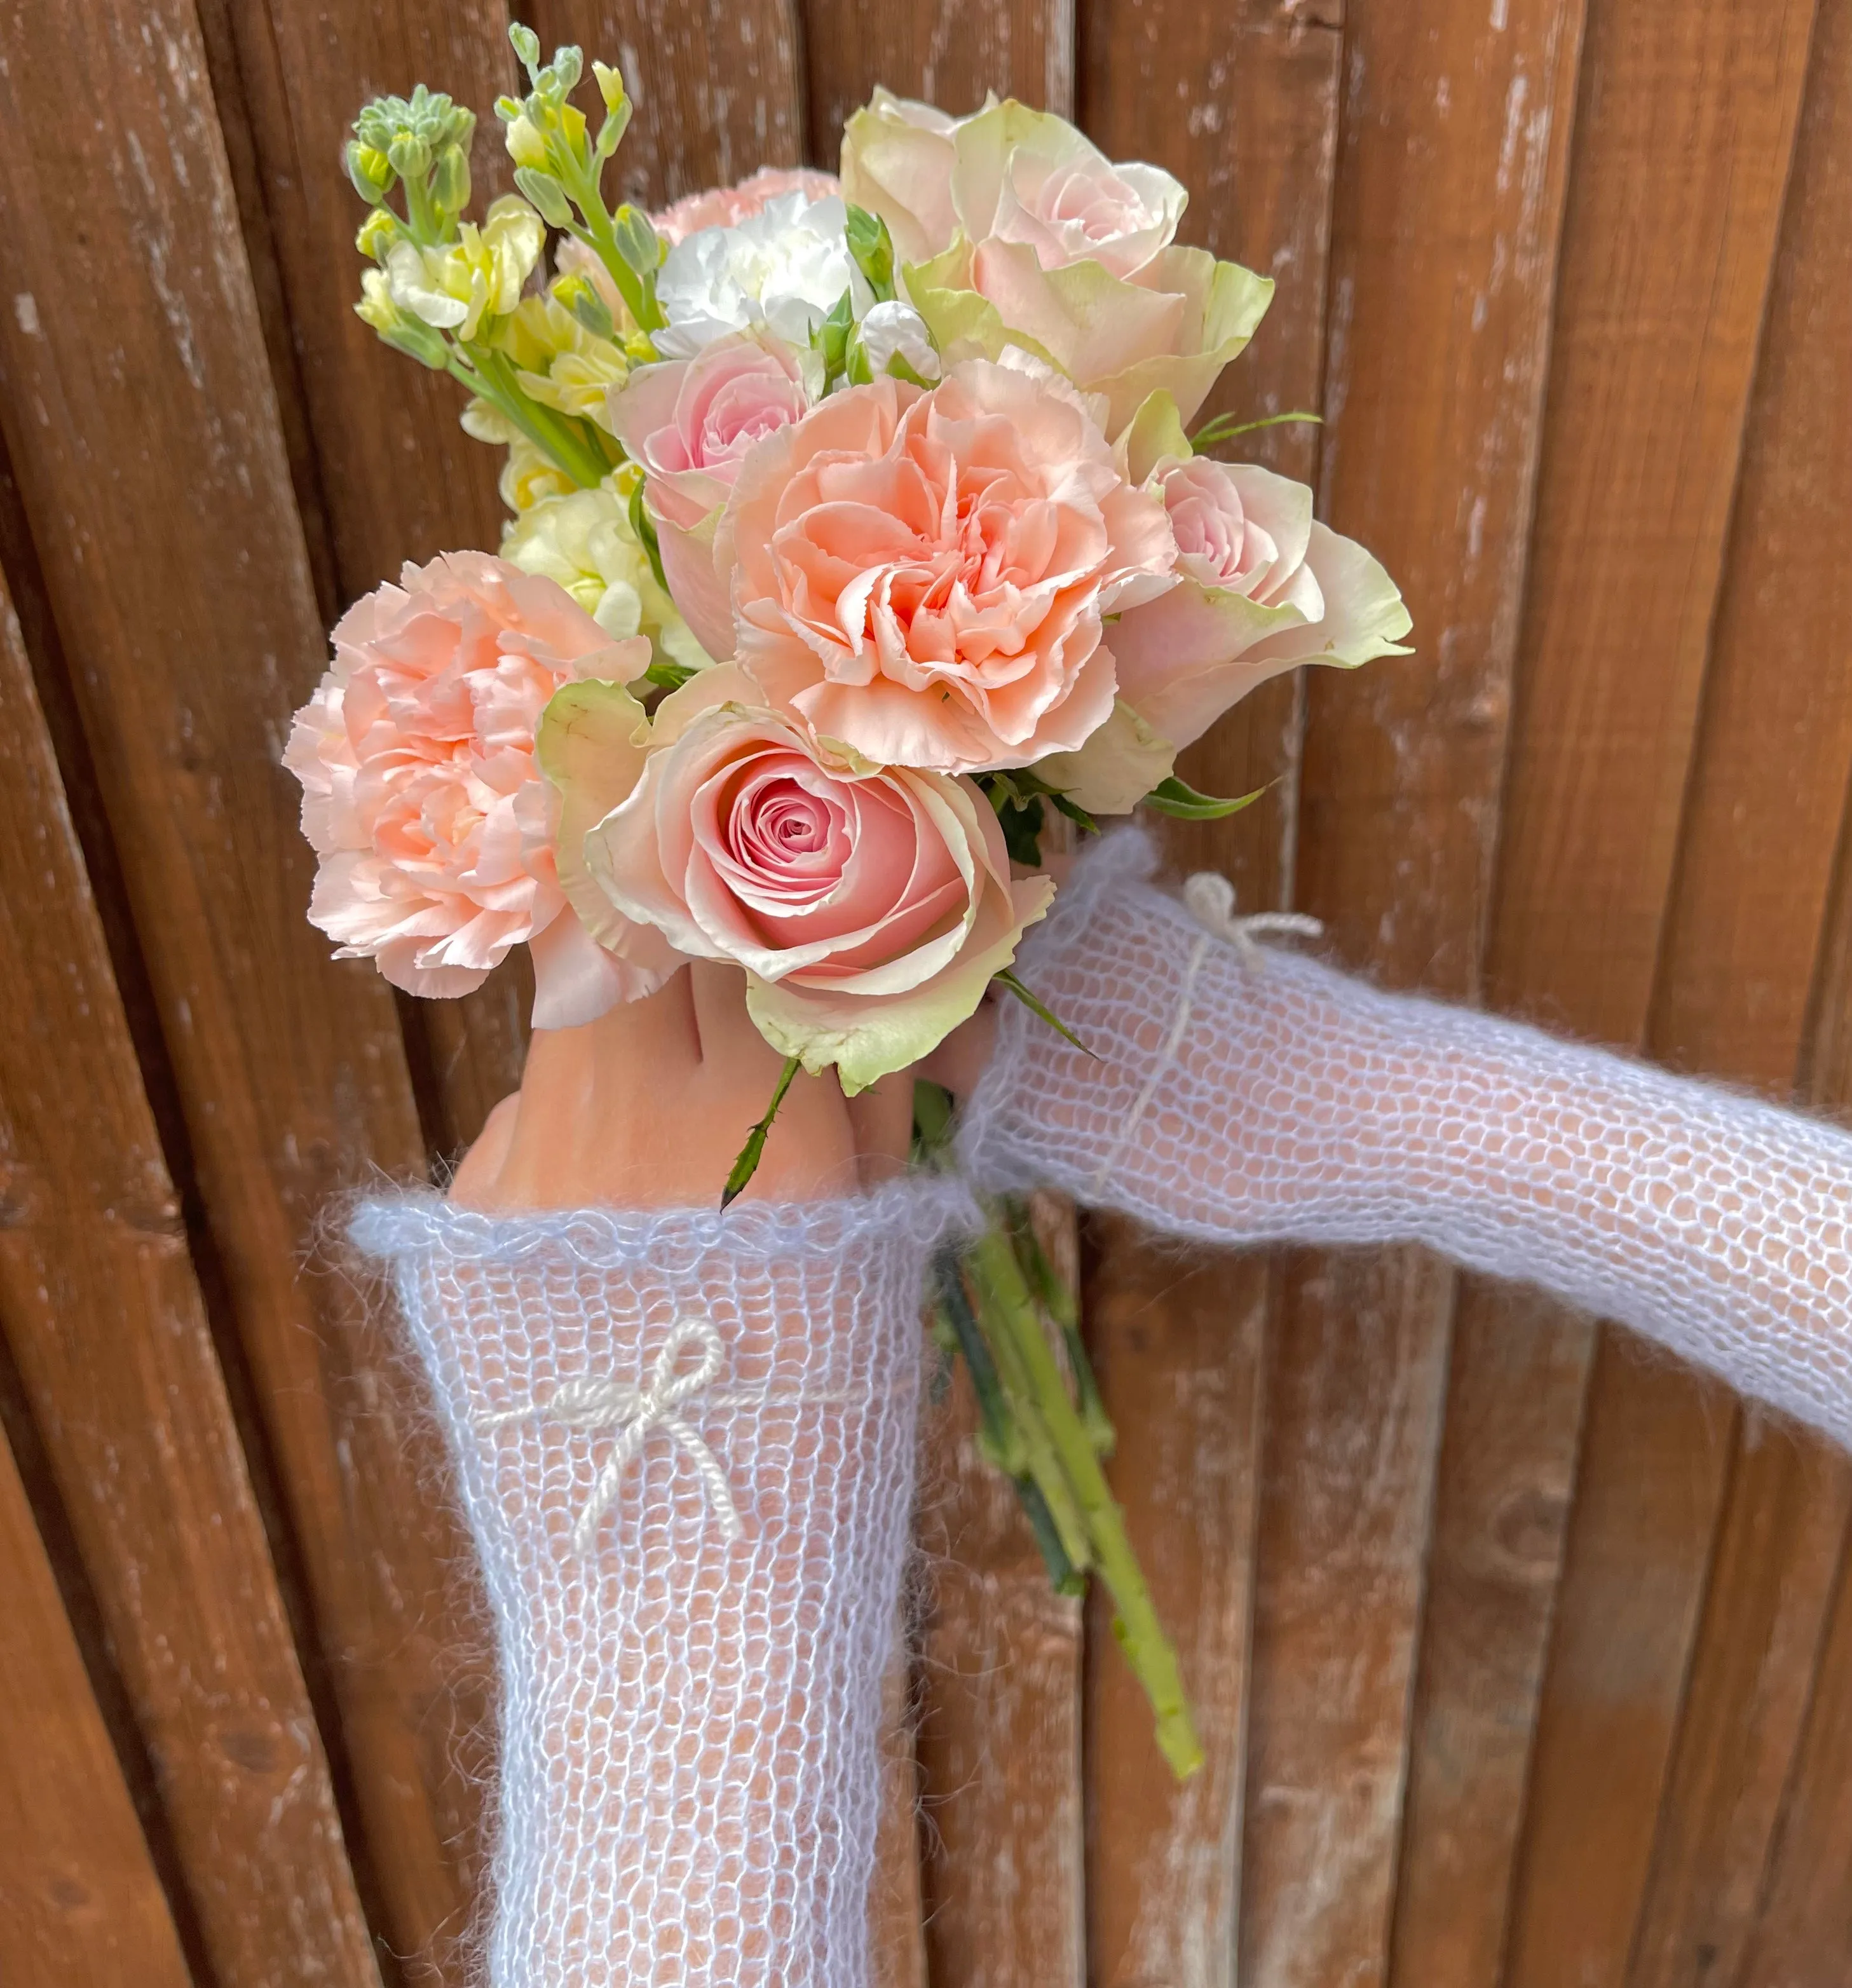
(858,533)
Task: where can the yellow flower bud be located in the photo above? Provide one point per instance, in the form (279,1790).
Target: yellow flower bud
(526,144)
(377,233)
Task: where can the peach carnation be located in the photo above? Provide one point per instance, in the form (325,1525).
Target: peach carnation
(421,795)
(726,207)
(924,576)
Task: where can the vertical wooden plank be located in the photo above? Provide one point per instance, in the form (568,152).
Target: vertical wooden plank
(1803,1929)
(1762,828)
(155,452)
(1454,122)
(717,85)
(1179,1349)
(999,1738)
(1242,105)
(1688,125)
(105,1325)
(80,1906)
(395,477)
(948,51)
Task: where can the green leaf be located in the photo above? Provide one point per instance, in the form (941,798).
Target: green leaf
(1022,819)
(644,527)
(666,675)
(750,1153)
(1007,979)
(1224,427)
(1074,811)
(1176,798)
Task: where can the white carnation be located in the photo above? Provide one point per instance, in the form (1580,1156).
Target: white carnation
(897,331)
(785,269)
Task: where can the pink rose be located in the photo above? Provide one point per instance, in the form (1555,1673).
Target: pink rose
(870,905)
(422,798)
(726,207)
(924,576)
(689,423)
(1266,587)
(1006,174)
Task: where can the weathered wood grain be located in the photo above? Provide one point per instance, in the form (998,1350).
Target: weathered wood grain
(1654,361)
(390,476)
(105,1323)
(949,52)
(1755,867)
(1432,396)
(1241,106)
(999,1730)
(80,1905)
(1178,1346)
(156,454)
(1803,1930)
(717,85)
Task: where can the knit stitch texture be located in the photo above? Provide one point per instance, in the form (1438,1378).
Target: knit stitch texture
(685,1444)
(1247,1095)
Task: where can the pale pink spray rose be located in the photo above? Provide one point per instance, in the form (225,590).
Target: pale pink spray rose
(688,423)
(870,905)
(421,795)
(1264,587)
(925,577)
(1006,173)
(726,207)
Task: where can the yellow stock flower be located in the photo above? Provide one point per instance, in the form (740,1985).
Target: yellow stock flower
(584,541)
(530,476)
(480,275)
(559,362)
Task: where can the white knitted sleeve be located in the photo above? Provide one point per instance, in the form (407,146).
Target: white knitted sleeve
(685,1444)
(1246,1094)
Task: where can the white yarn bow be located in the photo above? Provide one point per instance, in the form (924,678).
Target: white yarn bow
(1210,898)
(634,1412)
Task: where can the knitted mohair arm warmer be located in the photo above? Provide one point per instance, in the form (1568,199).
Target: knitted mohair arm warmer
(685,1446)
(1245,1094)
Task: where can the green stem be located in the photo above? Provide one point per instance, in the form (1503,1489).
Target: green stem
(747,1164)
(1136,1624)
(1053,1295)
(489,375)
(1040,1460)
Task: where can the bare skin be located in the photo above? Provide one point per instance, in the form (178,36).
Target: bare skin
(648,1106)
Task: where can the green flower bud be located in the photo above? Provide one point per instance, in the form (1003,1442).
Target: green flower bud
(450,182)
(637,241)
(370,171)
(872,248)
(526,44)
(544,193)
(410,157)
(580,296)
(568,66)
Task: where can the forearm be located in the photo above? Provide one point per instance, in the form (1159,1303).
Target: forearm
(693,1596)
(1263,1097)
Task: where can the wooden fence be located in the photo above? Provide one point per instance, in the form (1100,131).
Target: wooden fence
(1524,1661)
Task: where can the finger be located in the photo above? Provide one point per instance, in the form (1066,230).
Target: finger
(474,1184)
(881,1119)
(730,1039)
(959,1062)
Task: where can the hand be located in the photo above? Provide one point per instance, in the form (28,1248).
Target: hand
(649,1106)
